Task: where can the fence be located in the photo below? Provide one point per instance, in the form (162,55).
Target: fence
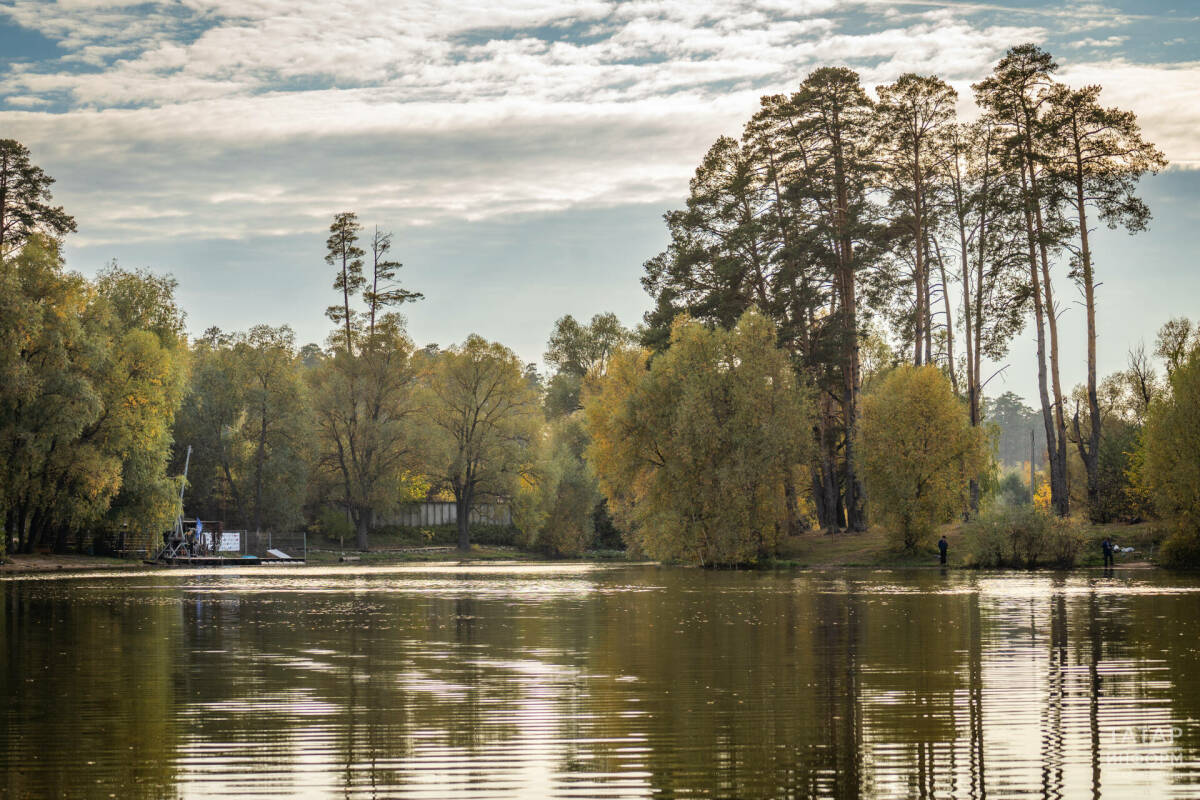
(428,514)
(267,545)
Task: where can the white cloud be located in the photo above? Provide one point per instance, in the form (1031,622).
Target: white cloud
(228,118)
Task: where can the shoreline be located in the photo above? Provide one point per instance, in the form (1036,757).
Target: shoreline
(870,549)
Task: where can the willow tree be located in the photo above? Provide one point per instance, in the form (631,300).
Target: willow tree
(1099,156)
(693,452)
(93,374)
(365,409)
(484,417)
(919,452)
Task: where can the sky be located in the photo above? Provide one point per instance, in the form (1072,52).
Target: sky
(521,152)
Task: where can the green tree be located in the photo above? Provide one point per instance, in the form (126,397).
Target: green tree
(1170,467)
(365,409)
(346,257)
(919,452)
(693,453)
(915,125)
(1099,156)
(573,350)
(484,418)
(555,506)
(142,385)
(247,419)
(47,399)
(1016,98)
(25,208)
(94,374)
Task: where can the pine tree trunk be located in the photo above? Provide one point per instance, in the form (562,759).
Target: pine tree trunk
(1091,453)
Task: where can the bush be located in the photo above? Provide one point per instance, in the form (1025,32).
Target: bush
(333,524)
(1022,537)
(1181,550)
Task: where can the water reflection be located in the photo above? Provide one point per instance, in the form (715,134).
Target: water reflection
(599,682)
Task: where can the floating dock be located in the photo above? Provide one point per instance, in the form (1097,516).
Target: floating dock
(221,561)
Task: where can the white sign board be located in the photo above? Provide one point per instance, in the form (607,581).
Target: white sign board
(230,542)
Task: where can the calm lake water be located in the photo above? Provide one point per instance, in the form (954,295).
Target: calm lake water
(592,681)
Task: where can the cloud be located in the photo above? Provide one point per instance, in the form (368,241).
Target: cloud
(231,118)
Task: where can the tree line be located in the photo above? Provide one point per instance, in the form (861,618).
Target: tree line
(836,212)
(808,362)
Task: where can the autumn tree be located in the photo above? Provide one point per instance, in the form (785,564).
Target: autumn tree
(365,410)
(1170,467)
(554,506)
(919,452)
(692,451)
(483,418)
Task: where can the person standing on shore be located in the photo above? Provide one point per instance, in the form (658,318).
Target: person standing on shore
(1107,547)
(943,546)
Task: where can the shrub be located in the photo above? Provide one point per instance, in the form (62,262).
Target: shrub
(333,524)
(1022,537)
(1181,550)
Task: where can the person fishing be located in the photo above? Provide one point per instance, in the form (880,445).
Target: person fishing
(943,546)
(1107,547)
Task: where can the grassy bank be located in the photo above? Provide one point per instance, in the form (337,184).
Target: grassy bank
(39,562)
(873,548)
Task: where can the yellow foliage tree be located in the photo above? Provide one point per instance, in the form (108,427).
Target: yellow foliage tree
(692,448)
(918,452)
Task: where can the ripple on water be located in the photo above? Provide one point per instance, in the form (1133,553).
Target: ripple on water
(575,681)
